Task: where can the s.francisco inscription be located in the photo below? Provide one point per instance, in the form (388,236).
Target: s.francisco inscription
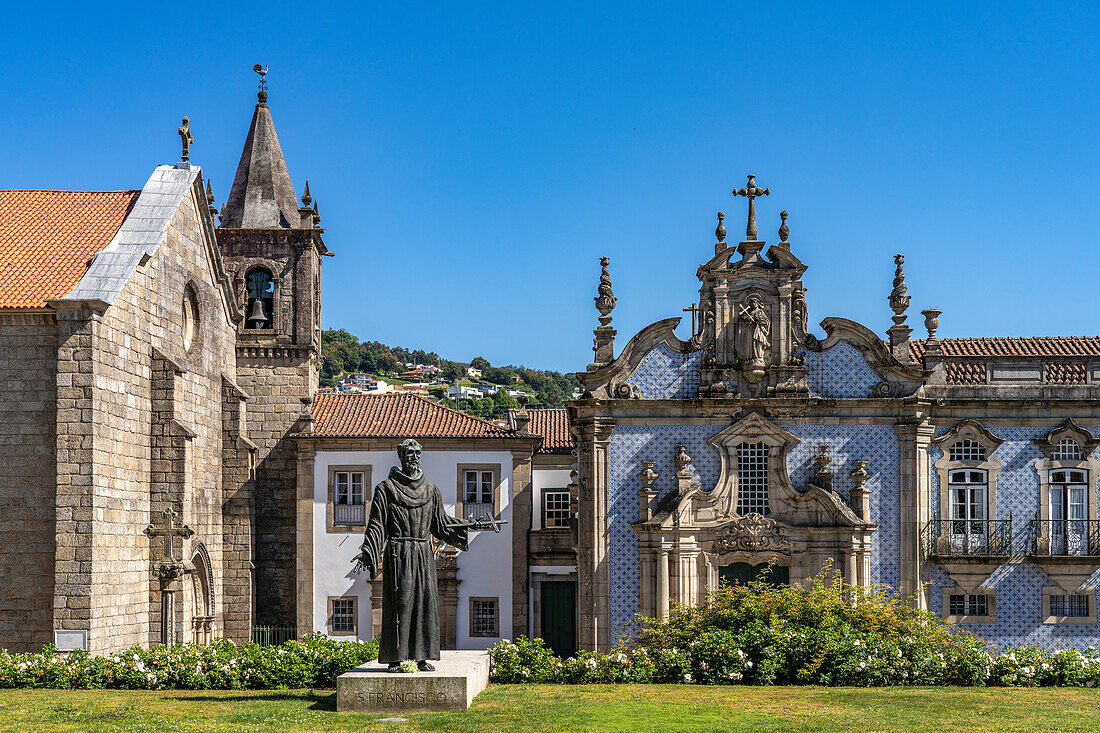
(403,698)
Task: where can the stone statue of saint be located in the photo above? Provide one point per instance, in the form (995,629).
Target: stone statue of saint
(406,512)
(756,329)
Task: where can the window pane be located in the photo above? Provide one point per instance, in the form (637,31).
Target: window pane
(471,487)
(483,617)
(487,487)
(555,509)
(343,615)
(1058,477)
(357,488)
(341,487)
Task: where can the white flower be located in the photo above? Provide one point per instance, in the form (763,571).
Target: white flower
(687,677)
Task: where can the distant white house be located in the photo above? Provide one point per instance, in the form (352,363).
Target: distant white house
(473,372)
(463,392)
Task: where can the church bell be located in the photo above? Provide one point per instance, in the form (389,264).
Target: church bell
(257,319)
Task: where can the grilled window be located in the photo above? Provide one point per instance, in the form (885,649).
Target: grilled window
(752,478)
(555,509)
(484,617)
(972,604)
(967,450)
(343,615)
(1069,606)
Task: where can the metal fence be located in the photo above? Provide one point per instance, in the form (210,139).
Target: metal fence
(970,538)
(273,635)
(1065,537)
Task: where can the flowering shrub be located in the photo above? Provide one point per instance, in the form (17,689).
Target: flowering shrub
(831,634)
(314,662)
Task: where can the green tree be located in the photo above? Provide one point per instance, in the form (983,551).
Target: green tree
(480,362)
(388,363)
(503,402)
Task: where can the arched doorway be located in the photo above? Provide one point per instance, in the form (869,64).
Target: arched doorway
(202,598)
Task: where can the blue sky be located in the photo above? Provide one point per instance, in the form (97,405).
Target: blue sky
(472,162)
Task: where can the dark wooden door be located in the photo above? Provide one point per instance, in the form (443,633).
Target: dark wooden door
(559,616)
(741,573)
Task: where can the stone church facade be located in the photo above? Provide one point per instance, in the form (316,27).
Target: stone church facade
(153,361)
(961,472)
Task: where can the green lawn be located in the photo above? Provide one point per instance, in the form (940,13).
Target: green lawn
(626,708)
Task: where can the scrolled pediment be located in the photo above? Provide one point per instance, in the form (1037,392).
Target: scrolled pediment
(1069,429)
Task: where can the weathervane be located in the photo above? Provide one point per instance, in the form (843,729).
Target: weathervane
(751,192)
(262,71)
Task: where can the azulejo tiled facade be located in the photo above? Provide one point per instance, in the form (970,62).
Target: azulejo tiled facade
(755,440)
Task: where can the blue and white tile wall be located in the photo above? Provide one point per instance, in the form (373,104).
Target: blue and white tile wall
(839,372)
(1018,584)
(664,374)
(632,444)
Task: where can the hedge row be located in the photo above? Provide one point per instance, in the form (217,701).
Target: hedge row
(830,634)
(314,662)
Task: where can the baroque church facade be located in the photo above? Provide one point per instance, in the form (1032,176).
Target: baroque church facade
(153,366)
(961,472)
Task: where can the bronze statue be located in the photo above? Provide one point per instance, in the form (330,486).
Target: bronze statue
(406,512)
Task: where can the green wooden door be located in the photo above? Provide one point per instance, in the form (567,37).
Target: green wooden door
(742,572)
(559,616)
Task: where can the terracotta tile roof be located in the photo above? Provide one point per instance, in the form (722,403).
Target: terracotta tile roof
(395,416)
(1015,346)
(553,425)
(47,239)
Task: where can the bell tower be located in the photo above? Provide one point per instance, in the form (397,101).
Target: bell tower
(271,246)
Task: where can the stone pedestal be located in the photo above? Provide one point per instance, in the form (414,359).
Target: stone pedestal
(456,681)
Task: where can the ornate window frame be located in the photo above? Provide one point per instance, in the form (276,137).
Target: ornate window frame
(975,431)
(1048,445)
(755,429)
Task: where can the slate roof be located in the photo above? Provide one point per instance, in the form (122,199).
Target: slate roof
(48,238)
(356,415)
(1027,346)
(553,425)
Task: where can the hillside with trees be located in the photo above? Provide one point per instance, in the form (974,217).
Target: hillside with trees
(342,353)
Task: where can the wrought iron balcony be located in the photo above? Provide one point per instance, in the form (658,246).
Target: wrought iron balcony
(349,515)
(1065,537)
(968,538)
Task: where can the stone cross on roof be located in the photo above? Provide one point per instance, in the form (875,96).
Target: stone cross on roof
(168,530)
(751,192)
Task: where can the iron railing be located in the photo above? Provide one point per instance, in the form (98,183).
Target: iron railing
(273,635)
(1065,537)
(350,515)
(968,538)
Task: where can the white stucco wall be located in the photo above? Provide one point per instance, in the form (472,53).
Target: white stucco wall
(484,570)
(545,478)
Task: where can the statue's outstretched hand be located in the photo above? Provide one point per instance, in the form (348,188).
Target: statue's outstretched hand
(363,561)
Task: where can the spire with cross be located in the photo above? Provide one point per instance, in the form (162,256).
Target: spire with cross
(750,192)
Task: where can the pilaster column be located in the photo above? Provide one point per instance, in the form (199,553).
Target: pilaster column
(305,559)
(593,533)
(521,528)
(914,475)
(662,584)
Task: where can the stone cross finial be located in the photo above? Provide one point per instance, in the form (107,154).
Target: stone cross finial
(605,298)
(185,137)
(168,530)
(306,198)
(899,302)
(694,311)
(751,192)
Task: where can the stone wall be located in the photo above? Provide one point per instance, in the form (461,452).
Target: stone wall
(150,434)
(28,404)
